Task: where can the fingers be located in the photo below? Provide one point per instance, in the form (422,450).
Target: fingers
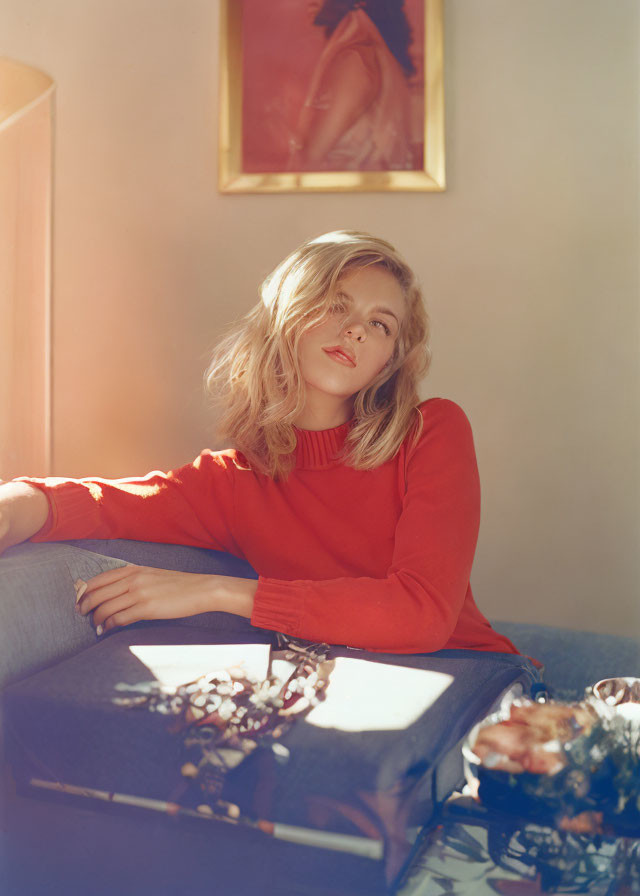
(92,599)
(112,575)
(134,593)
(120,618)
(110,608)
(102,587)
(115,611)
(107,595)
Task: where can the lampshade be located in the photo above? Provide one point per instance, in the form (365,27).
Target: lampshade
(26,132)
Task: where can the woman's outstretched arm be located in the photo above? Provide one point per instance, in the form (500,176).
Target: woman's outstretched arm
(23,512)
(192,505)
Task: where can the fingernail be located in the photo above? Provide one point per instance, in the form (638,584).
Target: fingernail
(81,586)
(99,630)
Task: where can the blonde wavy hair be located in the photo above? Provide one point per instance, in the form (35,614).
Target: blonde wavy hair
(255,378)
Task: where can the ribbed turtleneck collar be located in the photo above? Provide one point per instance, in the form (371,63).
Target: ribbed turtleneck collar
(318,449)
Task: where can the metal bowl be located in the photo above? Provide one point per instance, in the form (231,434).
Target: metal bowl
(621,696)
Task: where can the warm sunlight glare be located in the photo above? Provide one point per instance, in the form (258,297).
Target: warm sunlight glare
(175,664)
(144,491)
(366,696)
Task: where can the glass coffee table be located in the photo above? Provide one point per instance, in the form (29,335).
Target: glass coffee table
(475,851)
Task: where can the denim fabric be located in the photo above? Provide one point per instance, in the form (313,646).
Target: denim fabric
(38,625)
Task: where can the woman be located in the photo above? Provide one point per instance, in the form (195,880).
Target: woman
(356,115)
(357,504)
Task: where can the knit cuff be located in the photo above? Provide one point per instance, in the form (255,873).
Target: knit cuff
(69,503)
(277,606)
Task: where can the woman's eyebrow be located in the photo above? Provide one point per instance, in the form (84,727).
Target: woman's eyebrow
(379,309)
(382,310)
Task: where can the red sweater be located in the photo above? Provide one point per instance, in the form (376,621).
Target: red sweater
(378,559)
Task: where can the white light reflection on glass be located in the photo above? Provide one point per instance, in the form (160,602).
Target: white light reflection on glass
(366,696)
(176,664)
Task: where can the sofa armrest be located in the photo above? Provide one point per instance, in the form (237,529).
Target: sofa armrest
(573,660)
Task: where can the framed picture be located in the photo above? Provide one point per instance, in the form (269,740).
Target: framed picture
(331,95)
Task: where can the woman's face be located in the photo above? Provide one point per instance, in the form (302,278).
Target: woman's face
(345,352)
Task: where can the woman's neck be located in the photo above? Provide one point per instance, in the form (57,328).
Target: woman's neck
(320,415)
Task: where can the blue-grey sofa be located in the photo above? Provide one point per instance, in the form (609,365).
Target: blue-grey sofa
(50,847)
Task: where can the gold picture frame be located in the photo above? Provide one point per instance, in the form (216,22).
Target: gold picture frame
(430,176)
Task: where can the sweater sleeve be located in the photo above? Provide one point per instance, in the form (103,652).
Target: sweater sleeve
(192,505)
(417,606)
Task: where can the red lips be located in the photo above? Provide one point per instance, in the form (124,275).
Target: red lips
(341,355)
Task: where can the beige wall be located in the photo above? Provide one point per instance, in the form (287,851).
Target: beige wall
(529,261)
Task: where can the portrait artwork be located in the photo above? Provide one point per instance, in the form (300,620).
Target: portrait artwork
(331,94)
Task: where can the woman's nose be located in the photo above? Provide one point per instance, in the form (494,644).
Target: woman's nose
(355,331)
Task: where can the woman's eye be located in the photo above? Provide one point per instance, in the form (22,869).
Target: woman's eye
(380,324)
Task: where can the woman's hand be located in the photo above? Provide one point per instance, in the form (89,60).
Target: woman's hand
(134,593)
